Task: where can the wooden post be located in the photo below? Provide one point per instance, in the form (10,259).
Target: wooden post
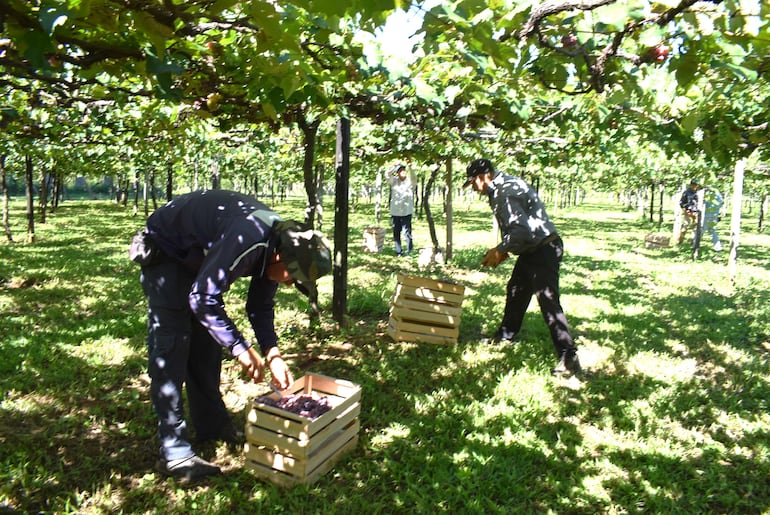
(340,267)
(660,205)
(735,219)
(30,199)
(448,250)
(652,202)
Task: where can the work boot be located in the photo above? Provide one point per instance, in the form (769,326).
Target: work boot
(228,434)
(233,437)
(568,364)
(188,469)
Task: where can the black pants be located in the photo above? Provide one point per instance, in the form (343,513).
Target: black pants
(537,273)
(180,351)
(402,223)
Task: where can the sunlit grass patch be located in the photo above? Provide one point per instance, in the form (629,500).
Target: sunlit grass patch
(662,368)
(671,414)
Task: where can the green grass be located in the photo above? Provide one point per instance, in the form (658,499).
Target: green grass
(671,415)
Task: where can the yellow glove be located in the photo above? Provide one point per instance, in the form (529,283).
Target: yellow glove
(494,257)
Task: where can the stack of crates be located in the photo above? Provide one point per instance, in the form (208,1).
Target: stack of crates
(425,310)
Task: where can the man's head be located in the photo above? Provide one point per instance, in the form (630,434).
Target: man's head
(476,173)
(306,255)
(694,185)
(400,171)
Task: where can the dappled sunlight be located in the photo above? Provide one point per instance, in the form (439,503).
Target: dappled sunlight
(104,350)
(671,409)
(390,434)
(662,368)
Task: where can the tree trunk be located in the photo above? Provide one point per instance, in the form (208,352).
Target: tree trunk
(652,202)
(43,197)
(6,200)
(762,211)
(30,199)
(309,134)
(152,189)
(145,199)
(449,212)
(136,192)
(378,198)
(662,190)
(735,219)
(426,208)
(169,182)
(340,252)
(216,179)
(319,179)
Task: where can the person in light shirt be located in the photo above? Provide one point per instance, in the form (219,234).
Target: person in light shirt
(402,193)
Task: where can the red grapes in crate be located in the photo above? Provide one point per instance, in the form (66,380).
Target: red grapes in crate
(304,404)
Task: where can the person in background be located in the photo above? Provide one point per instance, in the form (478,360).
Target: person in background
(689,204)
(191,252)
(527,232)
(402,186)
(712,207)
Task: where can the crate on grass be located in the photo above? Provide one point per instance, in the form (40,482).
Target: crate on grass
(289,449)
(425,310)
(657,240)
(374,239)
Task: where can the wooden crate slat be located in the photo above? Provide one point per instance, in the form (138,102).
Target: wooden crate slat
(433,284)
(430,307)
(288,453)
(287,480)
(427,295)
(305,445)
(406,336)
(402,325)
(340,393)
(301,466)
(425,318)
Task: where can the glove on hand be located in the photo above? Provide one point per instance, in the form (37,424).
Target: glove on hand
(494,257)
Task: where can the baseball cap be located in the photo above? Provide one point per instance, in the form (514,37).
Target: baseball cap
(477,167)
(306,255)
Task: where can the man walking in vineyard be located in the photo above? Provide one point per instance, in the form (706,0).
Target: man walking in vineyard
(689,204)
(402,186)
(529,233)
(191,252)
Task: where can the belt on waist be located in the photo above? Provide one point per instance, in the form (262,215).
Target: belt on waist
(548,239)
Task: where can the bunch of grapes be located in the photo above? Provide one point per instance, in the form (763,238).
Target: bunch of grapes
(304,405)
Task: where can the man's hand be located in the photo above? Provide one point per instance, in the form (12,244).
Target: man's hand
(494,257)
(253,364)
(282,377)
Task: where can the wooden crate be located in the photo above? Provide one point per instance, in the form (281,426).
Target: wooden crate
(374,239)
(657,240)
(425,310)
(289,449)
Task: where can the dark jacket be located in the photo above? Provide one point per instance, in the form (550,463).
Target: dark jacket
(689,200)
(222,236)
(520,214)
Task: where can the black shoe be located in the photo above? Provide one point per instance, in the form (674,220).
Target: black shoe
(499,337)
(504,336)
(568,364)
(228,434)
(232,436)
(191,469)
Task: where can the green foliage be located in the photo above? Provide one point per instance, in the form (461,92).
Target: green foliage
(671,416)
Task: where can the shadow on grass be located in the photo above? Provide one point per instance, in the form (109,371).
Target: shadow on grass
(436,435)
